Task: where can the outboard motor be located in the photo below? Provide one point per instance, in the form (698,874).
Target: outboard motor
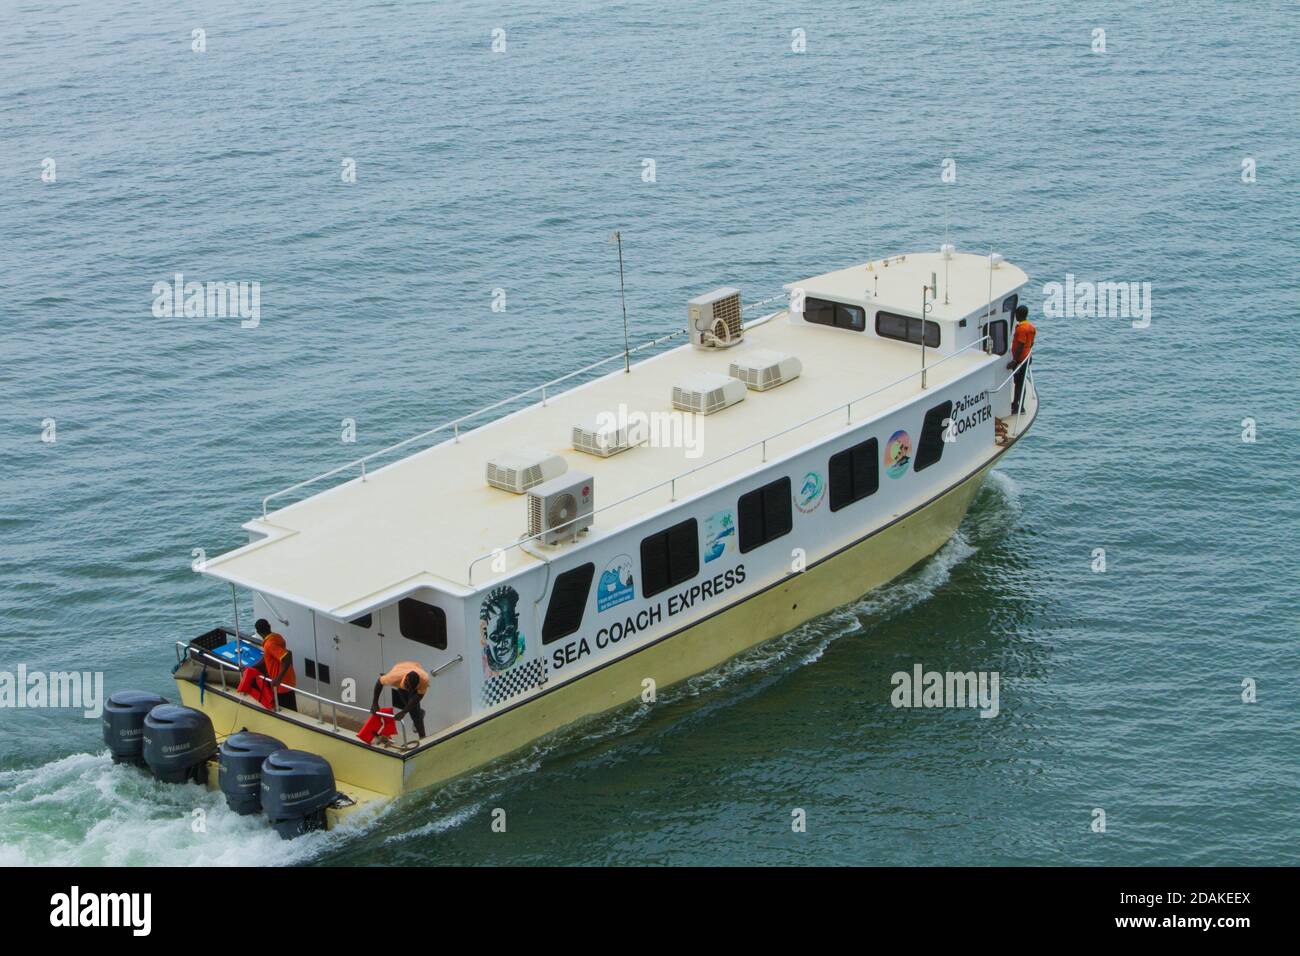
(296,788)
(123,723)
(178,742)
(240,769)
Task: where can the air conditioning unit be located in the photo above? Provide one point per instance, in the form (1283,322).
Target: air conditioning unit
(559,509)
(762,369)
(714,319)
(600,439)
(524,468)
(708,393)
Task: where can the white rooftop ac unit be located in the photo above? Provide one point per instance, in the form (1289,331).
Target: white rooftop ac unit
(707,393)
(599,439)
(559,509)
(713,319)
(762,369)
(520,470)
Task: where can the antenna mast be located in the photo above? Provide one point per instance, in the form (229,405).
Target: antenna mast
(616,239)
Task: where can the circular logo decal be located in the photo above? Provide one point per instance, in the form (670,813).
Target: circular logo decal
(810,493)
(898,454)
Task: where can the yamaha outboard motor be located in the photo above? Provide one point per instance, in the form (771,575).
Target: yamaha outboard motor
(296,788)
(178,742)
(123,723)
(240,769)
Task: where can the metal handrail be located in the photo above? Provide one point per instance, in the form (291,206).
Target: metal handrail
(184,651)
(457,422)
(847,407)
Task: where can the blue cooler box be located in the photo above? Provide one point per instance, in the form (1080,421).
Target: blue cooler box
(250,655)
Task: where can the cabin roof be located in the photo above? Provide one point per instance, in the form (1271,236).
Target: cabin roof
(420,521)
(895,284)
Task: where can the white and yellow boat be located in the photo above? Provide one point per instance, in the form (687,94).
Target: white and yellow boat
(614,538)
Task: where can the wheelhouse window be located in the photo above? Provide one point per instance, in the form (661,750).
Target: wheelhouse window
(996,331)
(422,623)
(568,603)
(764,514)
(365,620)
(854,474)
(930,448)
(837,314)
(670,557)
(1010,302)
(904,328)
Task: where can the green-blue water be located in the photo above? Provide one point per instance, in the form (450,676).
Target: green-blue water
(477,170)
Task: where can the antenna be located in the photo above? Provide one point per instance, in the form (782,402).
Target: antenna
(947,252)
(616,239)
(870,268)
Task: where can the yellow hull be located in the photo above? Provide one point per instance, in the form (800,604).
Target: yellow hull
(366,774)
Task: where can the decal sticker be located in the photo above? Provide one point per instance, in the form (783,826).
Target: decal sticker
(499,632)
(898,454)
(810,493)
(719,534)
(615,585)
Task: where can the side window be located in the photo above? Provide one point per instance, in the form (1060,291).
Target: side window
(854,474)
(764,514)
(890,325)
(824,312)
(1010,302)
(997,333)
(930,448)
(365,620)
(568,602)
(422,623)
(819,311)
(670,557)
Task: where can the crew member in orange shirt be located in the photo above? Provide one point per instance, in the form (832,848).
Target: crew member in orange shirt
(277,664)
(1022,345)
(410,682)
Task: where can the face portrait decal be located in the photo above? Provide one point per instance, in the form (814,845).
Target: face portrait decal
(498,629)
(898,454)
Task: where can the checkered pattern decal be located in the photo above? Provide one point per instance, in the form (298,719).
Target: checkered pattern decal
(514,682)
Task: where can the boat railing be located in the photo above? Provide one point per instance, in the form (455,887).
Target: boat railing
(671,483)
(455,423)
(185,651)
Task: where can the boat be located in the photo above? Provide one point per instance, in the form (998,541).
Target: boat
(616,531)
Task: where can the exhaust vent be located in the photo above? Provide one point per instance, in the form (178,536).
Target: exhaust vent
(763,370)
(707,393)
(559,509)
(714,319)
(594,438)
(520,470)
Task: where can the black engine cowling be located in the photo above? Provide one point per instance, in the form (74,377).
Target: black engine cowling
(240,769)
(178,742)
(123,724)
(296,788)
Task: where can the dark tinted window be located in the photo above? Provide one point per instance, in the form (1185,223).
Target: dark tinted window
(1010,302)
(422,623)
(854,474)
(997,333)
(823,312)
(930,448)
(764,514)
(890,325)
(365,620)
(670,557)
(568,602)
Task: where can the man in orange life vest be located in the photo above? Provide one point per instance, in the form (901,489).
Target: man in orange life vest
(1022,344)
(277,665)
(410,682)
